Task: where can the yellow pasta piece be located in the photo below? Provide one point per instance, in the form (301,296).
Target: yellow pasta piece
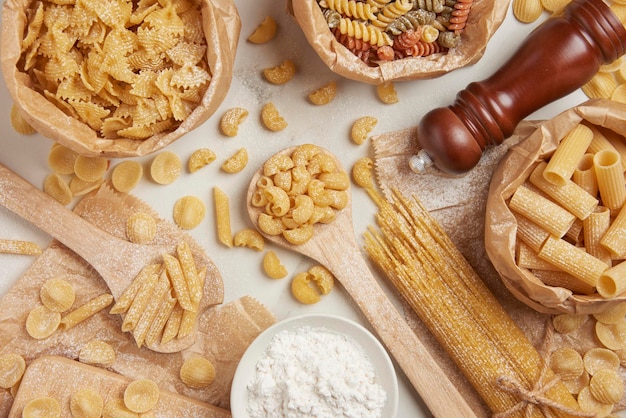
(323,95)
(179,283)
(90,169)
(527,11)
(569,195)
(222,217)
(271,118)
(173,324)
(158,325)
(606,386)
(611,315)
(543,212)
(387,93)
(272,266)
(197,372)
(613,281)
(567,363)
(250,238)
(568,154)
(574,386)
(615,237)
(563,279)
(115,408)
(281,73)
(231,119)
(610,176)
(526,257)
(598,358)
(12,367)
(41,322)
(20,124)
(361,129)
(566,323)
(165,168)
(43,406)
(80,187)
(57,295)
(200,158)
(236,162)
(589,404)
(141,395)
(601,85)
(264,32)
(303,291)
(61,159)
(126,175)
(57,188)
(190,272)
(85,311)
(141,228)
(323,278)
(9,246)
(98,353)
(573,260)
(594,228)
(128,295)
(159,293)
(585,176)
(86,403)
(187,323)
(189,212)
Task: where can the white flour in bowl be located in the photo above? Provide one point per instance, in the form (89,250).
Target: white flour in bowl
(314,372)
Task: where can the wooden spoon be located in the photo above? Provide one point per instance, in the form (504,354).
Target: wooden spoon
(116,260)
(334,246)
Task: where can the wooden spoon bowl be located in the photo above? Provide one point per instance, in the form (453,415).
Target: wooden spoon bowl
(117,261)
(334,246)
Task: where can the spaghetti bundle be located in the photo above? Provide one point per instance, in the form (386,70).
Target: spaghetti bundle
(497,358)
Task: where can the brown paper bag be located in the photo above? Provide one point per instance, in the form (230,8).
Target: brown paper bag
(485,17)
(221,25)
(500,226)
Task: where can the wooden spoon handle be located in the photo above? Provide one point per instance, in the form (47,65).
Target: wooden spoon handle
(431,382)
(38,208)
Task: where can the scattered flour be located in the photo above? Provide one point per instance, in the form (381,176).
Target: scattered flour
(314,372)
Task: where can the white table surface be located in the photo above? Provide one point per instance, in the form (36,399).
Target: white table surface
(327,126)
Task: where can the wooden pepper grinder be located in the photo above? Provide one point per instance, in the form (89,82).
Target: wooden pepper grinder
(559,56)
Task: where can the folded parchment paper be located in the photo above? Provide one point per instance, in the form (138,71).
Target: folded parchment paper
(485,18)
(221,25)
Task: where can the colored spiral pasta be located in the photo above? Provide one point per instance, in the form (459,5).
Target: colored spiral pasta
(351,8)
(361,30)
(391,12)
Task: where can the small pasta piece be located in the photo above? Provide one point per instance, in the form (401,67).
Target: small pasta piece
(12,367)
(277,163)
(585,175)
(62,159)
(611,315)
(90,169)
(323,95)
(19,124)
(588,403)
(271,118)
(231,119)
(115,408)
(200,158)
(281,73)
(173,324)
(566,323)
(197,372)
(43,406)
(141,395)
(302,289)
(298,235)
(189,212)
(567,363)
(141,228)
(594,228)
(165,168)
(610,177)
(179,284)
(614,239)
(568,154)
(85,311)
(128,295)
(249,238)
(159,293)
(55,187)
(613,281)
(599,358)
(273,267)
(160,321)
(270,225)
(323,278)
(387,93)
(57,295)
(9,246)
(606,386)
(361,129)
(98,353)
(237,162)
(126,175)
(264,32)
(41,322)
(86,403)
(574,386)
(222,217)
(80,187)
(190,272)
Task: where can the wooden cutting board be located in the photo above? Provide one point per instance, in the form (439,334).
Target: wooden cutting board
(59,377)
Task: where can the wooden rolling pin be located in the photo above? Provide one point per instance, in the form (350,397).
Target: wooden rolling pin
(559,56)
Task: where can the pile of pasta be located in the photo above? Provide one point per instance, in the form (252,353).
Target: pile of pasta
(386,30)
(571,221)
(127,69)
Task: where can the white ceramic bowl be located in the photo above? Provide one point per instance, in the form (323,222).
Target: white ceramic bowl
(383,367)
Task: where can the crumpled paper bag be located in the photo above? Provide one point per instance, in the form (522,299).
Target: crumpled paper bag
(500,225)
(221,25)
(484,19)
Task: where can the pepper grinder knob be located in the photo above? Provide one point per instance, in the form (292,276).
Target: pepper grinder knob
(559,56)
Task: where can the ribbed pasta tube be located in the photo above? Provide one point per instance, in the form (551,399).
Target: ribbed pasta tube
(364,32)
(421,261)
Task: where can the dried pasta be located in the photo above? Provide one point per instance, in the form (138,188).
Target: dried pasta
(189,212)
(222,217)
(197,372)
(98,353)
(10,246)
(86,403)
(12,367)
(264,32)
(126,175)
(141,395)
(43,406)
(85,311)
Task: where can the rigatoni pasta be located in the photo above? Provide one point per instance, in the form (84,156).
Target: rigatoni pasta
(568,154)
